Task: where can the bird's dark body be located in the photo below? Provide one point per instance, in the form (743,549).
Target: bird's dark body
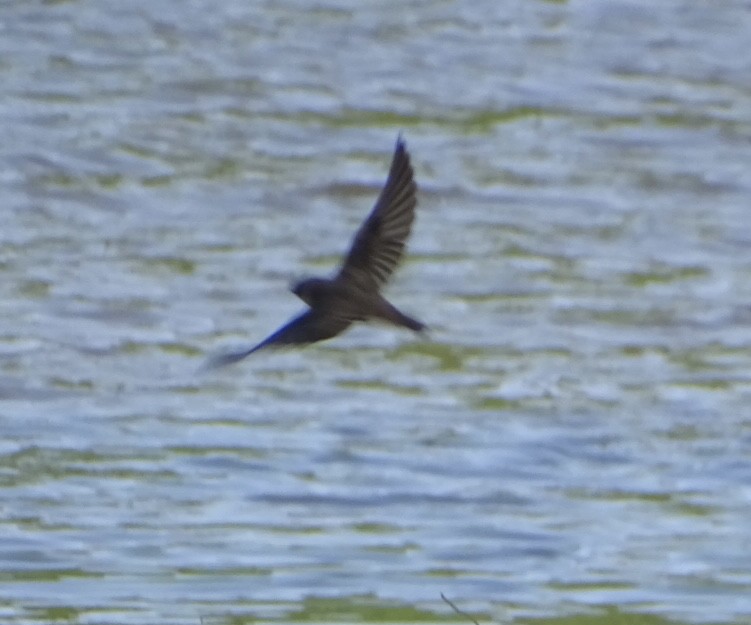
(353,295)
(349,300)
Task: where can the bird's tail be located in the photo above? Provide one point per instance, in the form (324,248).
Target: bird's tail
(411,323)
(397,317)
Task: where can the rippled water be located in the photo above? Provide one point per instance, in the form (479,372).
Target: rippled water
(574,436)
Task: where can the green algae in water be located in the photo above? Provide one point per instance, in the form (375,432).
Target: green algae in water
(366,609)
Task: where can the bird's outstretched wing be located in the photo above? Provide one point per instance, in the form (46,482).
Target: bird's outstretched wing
(307,328)
(379,244)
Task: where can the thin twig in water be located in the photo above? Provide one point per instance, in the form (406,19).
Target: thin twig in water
(458,611)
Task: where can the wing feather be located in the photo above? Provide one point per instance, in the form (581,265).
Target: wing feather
(309,327)
(378,246)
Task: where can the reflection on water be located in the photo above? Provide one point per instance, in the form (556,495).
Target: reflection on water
(572,435)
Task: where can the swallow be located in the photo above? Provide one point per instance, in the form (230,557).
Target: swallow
(354,293)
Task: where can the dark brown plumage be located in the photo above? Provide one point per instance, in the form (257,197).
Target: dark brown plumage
(354,293)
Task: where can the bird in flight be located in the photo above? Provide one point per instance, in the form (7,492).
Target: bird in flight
(354,294)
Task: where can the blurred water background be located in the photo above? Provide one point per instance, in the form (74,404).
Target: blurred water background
(573,438)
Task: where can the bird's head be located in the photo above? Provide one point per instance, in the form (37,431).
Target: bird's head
(309,290)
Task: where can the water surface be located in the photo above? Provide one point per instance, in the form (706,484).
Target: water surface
(574,435)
